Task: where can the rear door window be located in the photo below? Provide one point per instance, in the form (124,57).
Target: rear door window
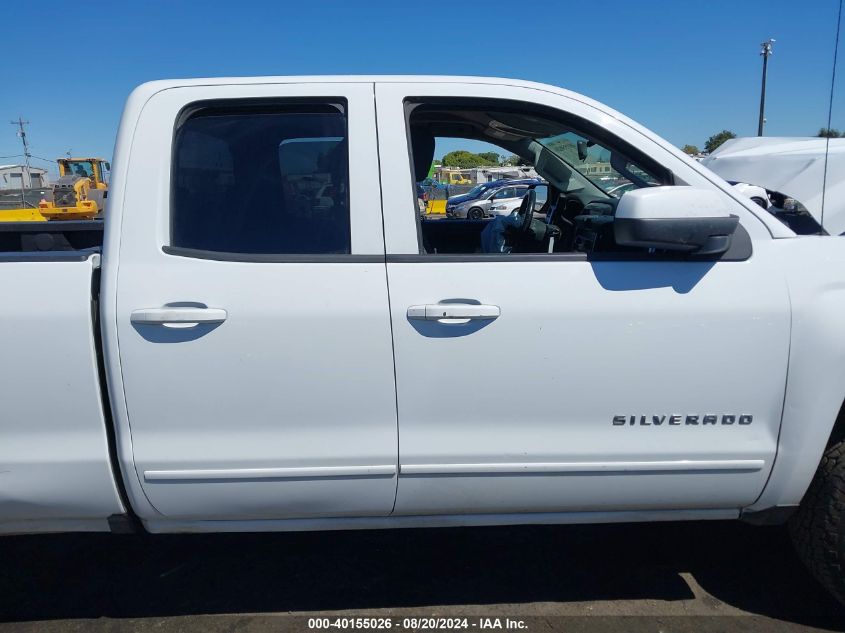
(262,180)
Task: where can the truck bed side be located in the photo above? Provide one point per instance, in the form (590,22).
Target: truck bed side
(55,472)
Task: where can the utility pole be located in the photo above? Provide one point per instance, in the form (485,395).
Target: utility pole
(766,50)
(26,175)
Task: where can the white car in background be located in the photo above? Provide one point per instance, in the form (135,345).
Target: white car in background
(507,205)
(794,167)
(785,208)
(758,194)
(618,190)
(480,207)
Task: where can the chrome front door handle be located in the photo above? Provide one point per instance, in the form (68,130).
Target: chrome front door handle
(456,311)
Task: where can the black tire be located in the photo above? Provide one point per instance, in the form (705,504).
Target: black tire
(475,213)
(818,528)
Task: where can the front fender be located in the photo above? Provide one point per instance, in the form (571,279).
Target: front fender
(815,387)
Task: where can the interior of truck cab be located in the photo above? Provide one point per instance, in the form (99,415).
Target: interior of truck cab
(583,166)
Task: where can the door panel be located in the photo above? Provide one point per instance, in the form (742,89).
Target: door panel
(281,403)
(532,411)
(517,414)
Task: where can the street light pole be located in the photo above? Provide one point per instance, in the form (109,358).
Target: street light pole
(766,50)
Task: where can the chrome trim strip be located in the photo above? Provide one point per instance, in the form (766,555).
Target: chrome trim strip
(233,474)
(583,467)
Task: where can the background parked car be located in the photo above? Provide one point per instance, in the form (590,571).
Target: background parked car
(506,206)
(785,208)
(757,194)
(618,190)
(480,207)
(479,190)
(431,183)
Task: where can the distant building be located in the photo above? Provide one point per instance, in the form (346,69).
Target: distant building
(598,169)
(16,176)
(486,174)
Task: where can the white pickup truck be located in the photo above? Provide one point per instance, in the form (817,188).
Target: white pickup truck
(272,338)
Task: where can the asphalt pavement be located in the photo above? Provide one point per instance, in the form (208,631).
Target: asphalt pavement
(707,576)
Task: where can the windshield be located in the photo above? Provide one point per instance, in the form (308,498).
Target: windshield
(593,162)
(80,168)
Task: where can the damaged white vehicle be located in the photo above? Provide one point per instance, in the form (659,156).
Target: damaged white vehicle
(810,171)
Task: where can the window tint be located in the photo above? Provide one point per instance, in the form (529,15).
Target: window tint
(262,180)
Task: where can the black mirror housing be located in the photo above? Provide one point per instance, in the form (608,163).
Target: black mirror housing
(701,236)
(683,219)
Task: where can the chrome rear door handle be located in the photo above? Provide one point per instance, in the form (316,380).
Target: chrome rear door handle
(178,315)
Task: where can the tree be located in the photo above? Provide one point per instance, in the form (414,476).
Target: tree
(513,161)
(566,149)
(831,132)
(692,150)
(463,159)
(717,139)
(493,157)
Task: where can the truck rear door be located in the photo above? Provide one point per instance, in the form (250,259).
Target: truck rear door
(251,305)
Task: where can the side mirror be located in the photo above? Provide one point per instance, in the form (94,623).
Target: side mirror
(683,219)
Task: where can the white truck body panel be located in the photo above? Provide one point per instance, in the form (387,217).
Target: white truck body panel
(55,472)
(581,343)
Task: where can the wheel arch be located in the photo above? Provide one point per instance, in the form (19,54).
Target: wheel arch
(837,433)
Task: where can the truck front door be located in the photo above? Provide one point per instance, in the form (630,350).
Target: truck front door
(251,307)
(587,378)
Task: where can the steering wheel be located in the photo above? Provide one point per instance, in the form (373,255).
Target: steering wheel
(526,211)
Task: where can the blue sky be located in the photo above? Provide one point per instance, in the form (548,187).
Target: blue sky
(684,68)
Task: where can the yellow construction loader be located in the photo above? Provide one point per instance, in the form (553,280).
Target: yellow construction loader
(92,168)
(79,194)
